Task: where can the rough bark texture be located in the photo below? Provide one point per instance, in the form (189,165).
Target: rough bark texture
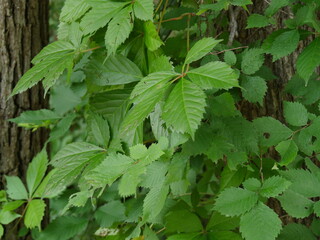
(283,69)
(23,33)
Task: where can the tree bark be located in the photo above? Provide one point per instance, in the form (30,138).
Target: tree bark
(23,33)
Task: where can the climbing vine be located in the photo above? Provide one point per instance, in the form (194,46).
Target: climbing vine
(149,139)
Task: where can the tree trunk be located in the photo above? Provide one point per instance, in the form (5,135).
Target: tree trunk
(283,69)
(23,33)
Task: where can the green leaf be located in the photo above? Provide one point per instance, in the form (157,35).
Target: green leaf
(73,10)
(37,117)
(118,30)
(260,223)
(252,61)
(143,9)
(274,186)
(271,131)
(295,204)
(295,113)
(184,107)
(36,171)
(61,127)
(100,14)
(47,70)
(288,151)
(252,184)
(182,221)
(56,48)
(200,49)
(64,228)
(154,201)
(112,105)
(115,70)
(235,201)
(297,232)
(222,105)
(275,5)
(160,64)
(184,236)
(240,2)
(146,94)
(7,217)
(130,180)
(34,213)
(219,222)
(1,231)
(109,170)
(257,21)
(308,60)
(10,206)
(99,128)
(110,213)
(254,89)
(78,199)
(76,150)
(230,58)
(151,36)
(214,75)
(284,44)
(316,208)
(15,188)
(303,182)
(70,162)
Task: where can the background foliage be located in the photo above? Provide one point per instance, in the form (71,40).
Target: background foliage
(148,137)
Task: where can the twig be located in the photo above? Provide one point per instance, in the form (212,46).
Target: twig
(233,24)
(226,50)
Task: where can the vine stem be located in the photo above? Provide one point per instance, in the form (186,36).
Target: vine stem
(226,50)
(162,14)
(159,5)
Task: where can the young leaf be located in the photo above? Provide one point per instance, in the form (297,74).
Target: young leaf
(288,150)
(257,21)
(118,30)
(109,170)
(274,186)
(295,113)
(254,89)
(130,180)
(235,201)
(200,49)
(214,75)
(10,206)
(146,94)
(252,61)
(73,10)
(151,37)
(36,171)
(15,188)
(154,201)
(230,58)
(143,9)
(100,129)
(7,217)
(308,60)
(37,117)
(260,223)
(100,14)
(184,107)
(34,213)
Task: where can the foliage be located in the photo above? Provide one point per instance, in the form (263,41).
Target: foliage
(148,136)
